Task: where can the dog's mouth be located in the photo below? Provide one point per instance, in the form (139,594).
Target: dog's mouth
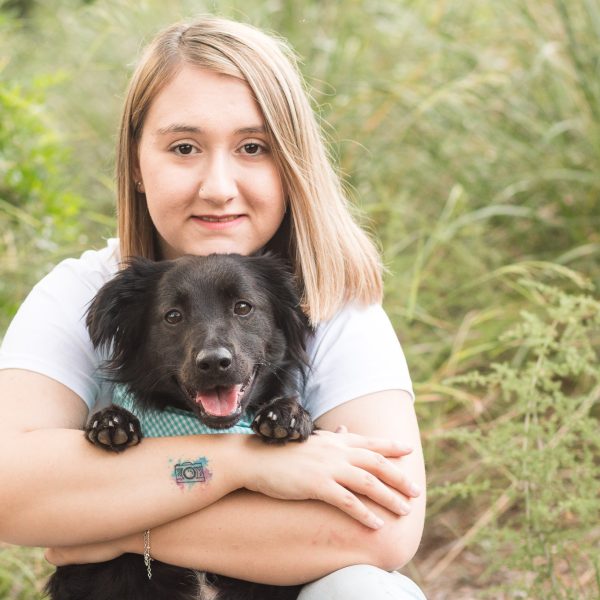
(222,406)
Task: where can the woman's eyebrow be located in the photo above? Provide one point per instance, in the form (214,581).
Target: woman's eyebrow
(178,128)
(182,128)
(255,129)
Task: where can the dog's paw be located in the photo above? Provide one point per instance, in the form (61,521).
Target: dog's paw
(283,420)
(113,428)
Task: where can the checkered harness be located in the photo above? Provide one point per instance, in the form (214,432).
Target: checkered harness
(172,421)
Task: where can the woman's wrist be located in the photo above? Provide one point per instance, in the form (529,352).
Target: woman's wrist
(234,462)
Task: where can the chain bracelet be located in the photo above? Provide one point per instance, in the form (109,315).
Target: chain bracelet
(147,558)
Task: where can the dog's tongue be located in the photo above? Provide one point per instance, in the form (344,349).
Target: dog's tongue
(220,402)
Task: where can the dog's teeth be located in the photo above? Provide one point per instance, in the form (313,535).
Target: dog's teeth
(293,421)
(111,424)
(131,427)
(272,416)
(116,419)
(95,424)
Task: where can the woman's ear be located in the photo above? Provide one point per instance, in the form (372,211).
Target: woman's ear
(138,180)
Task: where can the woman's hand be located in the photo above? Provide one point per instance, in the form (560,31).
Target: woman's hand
(87,553)
(333,468)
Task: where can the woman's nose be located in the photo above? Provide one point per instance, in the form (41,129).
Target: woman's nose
(217,181)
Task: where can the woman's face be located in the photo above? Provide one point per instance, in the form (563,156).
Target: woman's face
(205,165)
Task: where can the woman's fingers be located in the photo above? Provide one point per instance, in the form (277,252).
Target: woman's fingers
(371,475)
(339,496)
(54,556)
(344,467)
(387,472)
(371,454)
(86,553)
(369,485)
(383,446)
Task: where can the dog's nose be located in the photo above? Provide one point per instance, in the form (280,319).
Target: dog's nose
(214,361)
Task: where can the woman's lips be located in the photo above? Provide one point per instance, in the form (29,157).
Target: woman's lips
(217,222)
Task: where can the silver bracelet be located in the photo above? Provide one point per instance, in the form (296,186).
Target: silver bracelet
(147,558)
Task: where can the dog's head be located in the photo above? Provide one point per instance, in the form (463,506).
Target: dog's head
(209,334)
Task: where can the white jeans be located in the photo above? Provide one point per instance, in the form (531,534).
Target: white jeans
(362,582)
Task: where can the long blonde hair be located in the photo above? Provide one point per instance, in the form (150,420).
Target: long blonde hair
(334,261)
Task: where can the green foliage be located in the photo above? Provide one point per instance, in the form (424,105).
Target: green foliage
(38,211)
(535,447)
(32,158)
(23,573)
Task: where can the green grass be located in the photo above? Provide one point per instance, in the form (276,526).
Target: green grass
(23,572)
(468,135)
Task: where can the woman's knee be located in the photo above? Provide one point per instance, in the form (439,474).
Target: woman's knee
(360,582)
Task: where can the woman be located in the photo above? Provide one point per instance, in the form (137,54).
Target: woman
(220,152)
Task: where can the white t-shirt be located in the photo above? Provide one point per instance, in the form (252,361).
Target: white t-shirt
(353,354)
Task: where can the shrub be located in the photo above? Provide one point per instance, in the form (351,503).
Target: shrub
(533,451)
(38,212)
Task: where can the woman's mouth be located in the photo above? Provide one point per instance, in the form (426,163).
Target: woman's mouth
(217,221)
(224,219)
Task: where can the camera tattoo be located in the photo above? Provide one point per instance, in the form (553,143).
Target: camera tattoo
(187,473)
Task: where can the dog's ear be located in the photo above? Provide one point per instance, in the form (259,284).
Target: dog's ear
(280,286)
(115,317)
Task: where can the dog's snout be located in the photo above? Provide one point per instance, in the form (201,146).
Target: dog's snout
(213,361)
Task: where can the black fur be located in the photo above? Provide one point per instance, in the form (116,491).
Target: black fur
(176,330)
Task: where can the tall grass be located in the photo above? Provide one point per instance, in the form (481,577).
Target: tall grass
(468,135)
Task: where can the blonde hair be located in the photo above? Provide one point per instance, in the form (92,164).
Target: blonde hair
(334,261)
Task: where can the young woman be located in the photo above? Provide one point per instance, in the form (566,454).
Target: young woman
(220,152)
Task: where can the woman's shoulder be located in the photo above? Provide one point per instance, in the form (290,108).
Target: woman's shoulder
(360,341)
(354,354)
(63,295)
(90,271)
(48,334)
(354,320)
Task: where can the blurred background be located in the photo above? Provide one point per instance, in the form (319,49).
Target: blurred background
(468,136)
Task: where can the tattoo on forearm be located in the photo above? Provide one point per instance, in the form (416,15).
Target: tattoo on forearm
(187,473)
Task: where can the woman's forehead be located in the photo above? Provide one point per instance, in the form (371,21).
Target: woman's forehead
(196,100)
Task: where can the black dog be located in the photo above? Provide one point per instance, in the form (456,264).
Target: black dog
(214,335)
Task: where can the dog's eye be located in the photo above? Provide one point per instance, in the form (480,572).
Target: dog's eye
(242,308)
(173,317)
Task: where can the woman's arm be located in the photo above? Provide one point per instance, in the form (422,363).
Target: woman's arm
(273,541)
(391,414)
(51,474)
(286,543)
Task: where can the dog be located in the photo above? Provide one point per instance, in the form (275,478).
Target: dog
(216,336)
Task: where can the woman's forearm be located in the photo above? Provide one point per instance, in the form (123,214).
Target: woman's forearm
(253,537)
(58,489)
(55,475)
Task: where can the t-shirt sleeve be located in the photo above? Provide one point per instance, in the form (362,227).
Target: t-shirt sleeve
(355,354)
(48,333)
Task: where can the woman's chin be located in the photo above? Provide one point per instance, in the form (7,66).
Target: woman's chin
(206,248)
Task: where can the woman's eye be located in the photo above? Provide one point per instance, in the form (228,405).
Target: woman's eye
(253,148)
(173,317)
(183,149)
(242,308)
